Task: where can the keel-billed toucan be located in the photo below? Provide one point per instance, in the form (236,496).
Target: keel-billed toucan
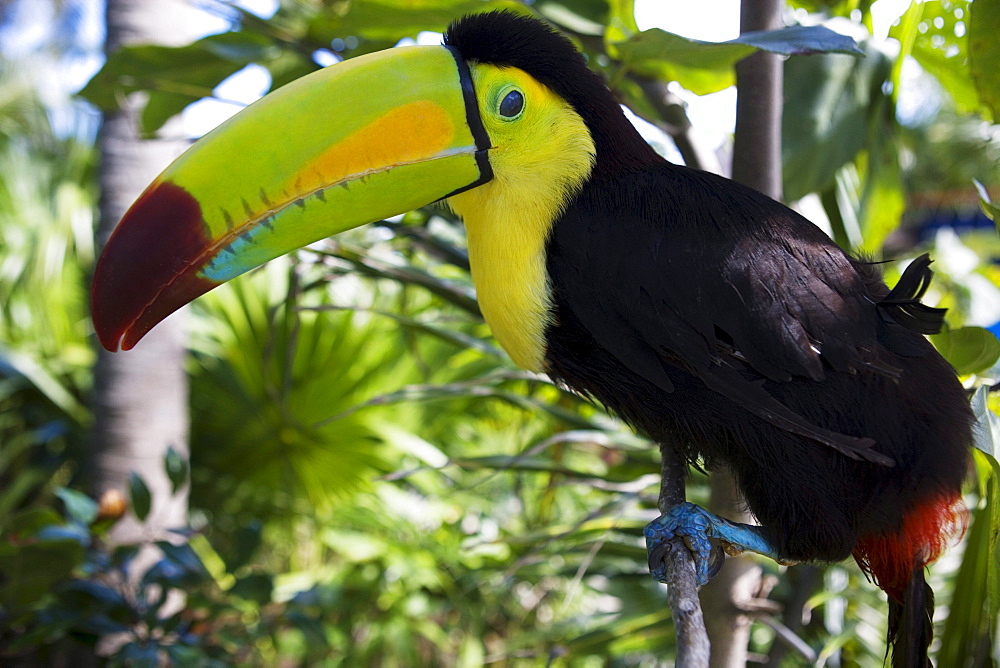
(703,313)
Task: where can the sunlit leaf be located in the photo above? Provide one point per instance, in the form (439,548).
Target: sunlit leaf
(968,349)
(706,67)
(831,103)
(984,52)
(990,208)
(173,76)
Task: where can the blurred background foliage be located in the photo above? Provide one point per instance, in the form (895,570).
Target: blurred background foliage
(372,481)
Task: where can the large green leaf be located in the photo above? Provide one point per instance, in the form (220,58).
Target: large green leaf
(933,32)
(975,604)
(174,77)
(831,103)
(707,67)
(984,52)
(968,349)
(990,208)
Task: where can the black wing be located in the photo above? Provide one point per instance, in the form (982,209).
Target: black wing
(674,268)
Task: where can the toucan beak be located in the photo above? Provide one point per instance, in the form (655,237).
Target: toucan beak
(371,137)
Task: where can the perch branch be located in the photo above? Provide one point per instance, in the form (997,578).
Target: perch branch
(682,591)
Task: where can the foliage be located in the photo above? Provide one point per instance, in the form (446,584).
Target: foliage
(372,482)
(45,244)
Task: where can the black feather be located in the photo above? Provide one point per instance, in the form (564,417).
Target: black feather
(902,304)
(911,624)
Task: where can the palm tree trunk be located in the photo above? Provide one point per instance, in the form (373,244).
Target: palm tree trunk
(140,397)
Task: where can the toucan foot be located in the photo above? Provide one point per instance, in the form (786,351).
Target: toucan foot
(697,527)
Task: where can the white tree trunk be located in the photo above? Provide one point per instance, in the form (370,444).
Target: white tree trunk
(140,397)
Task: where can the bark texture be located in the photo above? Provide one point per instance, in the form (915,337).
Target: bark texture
(140,397)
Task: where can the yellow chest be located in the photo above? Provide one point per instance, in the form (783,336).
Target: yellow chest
(540,160)
(508,268)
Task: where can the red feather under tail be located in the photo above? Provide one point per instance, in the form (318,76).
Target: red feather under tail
(895,562)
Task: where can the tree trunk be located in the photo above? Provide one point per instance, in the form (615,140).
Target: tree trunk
(756,163)
(140,397)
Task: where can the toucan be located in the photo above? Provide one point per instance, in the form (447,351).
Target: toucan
(704,314)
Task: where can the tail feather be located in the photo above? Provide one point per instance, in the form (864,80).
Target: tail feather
(896,563)
(911,624)
(903,301)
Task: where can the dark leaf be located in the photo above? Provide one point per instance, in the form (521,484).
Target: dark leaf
(256,587)
(104,595)
(139,495)
(31,571)
(141,654)
(245,542)
(64,532)
(176,467)
(184,556)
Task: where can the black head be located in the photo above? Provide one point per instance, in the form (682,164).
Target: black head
(507,39)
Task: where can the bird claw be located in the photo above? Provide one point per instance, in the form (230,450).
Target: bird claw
(696,527)
(688,522)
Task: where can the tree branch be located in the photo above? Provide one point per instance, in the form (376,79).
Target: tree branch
(682,590)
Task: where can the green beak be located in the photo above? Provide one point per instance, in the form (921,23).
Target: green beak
(372,137)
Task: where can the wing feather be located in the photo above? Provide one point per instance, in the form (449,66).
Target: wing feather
(736,289)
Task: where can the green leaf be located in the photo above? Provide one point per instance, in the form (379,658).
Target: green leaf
(578,19)
(256,587)
(29,522)
(968,349)
(986,431)
(51,387)
(31,571)
(975,599)
(245,542)
(176,467)
(831,102)
(931,33)
(707,67)
(591,11)
(139,494)
(79,507)
(621,21)
(991,210)
(183,555)
(174,76)
(984,52)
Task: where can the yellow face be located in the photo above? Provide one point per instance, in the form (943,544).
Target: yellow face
(540,145)
(541,155)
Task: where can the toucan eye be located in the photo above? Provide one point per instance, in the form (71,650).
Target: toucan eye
(512,104)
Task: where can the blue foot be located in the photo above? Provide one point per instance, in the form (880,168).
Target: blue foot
(697,527)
